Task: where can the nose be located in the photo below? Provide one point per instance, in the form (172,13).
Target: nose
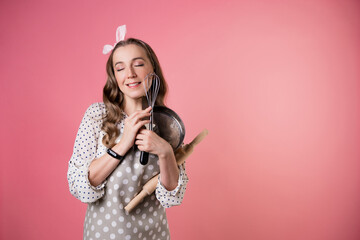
(131,73)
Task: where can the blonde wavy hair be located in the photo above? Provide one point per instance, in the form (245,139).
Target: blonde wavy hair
(113,97)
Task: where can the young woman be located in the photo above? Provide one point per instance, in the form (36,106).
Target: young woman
(107,183)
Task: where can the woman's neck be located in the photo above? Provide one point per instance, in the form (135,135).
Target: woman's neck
(130,106)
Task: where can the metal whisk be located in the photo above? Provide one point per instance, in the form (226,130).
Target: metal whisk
(151,82)
(152,86)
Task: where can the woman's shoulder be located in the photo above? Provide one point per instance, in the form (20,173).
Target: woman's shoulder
(96,110)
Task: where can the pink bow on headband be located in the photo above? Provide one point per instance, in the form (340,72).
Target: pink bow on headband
(120,35)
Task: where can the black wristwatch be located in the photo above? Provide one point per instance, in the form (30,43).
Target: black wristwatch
(114,154)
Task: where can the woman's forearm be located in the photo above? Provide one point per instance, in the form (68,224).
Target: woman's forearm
(169,171)
(102,167)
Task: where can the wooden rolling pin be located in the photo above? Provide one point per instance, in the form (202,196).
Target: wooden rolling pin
(180,154)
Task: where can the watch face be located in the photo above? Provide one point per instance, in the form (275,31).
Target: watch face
(114,154)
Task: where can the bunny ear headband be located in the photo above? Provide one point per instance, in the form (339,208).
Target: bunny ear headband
(120,35)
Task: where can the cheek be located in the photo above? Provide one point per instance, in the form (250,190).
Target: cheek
(119,78)
(148,69)
(151,70)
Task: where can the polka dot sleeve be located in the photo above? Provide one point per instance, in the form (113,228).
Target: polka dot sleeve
(173,197)
(83,154)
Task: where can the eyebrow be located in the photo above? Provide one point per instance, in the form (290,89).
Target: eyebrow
(131,60)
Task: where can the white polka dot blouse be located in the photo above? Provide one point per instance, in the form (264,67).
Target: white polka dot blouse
(106,217)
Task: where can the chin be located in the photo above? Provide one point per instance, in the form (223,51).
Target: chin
(134,96)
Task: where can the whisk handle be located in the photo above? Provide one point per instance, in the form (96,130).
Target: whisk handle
(144,157)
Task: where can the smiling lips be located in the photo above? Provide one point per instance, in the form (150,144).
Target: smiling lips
(133,85)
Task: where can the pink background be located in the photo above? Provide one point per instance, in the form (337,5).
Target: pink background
(277,83)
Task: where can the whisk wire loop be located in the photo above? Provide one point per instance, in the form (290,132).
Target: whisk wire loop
(152,86)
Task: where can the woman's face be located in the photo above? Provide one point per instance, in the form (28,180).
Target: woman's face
(131,65)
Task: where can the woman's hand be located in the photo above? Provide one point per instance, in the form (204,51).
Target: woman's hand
(132,124)
(149,141)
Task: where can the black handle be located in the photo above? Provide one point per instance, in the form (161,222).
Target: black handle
(144,157)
